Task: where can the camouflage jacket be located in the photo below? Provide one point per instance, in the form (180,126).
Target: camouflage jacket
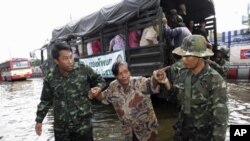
(202,101)
(173,72)
(221,67)
(68,95)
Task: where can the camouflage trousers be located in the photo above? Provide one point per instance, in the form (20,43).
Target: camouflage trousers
(184,133)
(65,132)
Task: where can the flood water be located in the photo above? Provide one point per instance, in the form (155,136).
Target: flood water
(19,99)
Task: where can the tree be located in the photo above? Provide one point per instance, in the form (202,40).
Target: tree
(35,62)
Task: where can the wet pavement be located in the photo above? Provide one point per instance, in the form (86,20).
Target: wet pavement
(19,99)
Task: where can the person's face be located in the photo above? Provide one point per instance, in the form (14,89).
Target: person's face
(203,24)
(219,54)
(65,60)
(174,18)
(190,62)
(123,76)
(191,23)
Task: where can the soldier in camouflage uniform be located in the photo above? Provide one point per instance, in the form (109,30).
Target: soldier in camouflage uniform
(201,94)
(65,88)
(220,62)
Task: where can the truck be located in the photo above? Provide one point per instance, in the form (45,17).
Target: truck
(124,17)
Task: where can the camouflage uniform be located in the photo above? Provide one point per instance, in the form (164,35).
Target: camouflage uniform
(68,97)
(221,65)
(202,99)
(172,74)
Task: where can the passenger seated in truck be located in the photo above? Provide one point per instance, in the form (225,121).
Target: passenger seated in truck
(134,38)
(96,46)
(190,26)
(89,48)
(118,42)
(149,36)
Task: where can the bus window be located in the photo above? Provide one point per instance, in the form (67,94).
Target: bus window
(20,64)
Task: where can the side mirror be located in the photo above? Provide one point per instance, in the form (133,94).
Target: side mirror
(31,55)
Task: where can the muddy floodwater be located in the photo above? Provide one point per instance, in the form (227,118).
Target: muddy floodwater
(19,99)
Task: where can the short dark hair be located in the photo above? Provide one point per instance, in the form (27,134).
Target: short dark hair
(58,46)
(115,67)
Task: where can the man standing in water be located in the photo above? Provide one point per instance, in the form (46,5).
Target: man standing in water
(65,88)
(201,94)
(130,97)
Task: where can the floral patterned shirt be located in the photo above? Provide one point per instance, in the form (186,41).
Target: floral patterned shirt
(134,107)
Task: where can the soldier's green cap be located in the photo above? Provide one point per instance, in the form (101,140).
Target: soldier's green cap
(193,45)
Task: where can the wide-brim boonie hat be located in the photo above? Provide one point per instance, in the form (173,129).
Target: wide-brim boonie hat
(193,45)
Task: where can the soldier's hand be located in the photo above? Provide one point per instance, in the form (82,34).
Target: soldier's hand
(94,92)
(209,61)
(160,76)
(38,128)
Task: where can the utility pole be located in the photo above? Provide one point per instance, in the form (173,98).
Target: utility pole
(70,17)
(248,12)
(246,19)
(9,52)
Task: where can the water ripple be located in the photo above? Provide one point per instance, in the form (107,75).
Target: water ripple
(18,103)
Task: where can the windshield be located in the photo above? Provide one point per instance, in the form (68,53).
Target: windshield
(20,64)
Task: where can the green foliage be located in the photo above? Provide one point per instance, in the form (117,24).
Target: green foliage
(35,62)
